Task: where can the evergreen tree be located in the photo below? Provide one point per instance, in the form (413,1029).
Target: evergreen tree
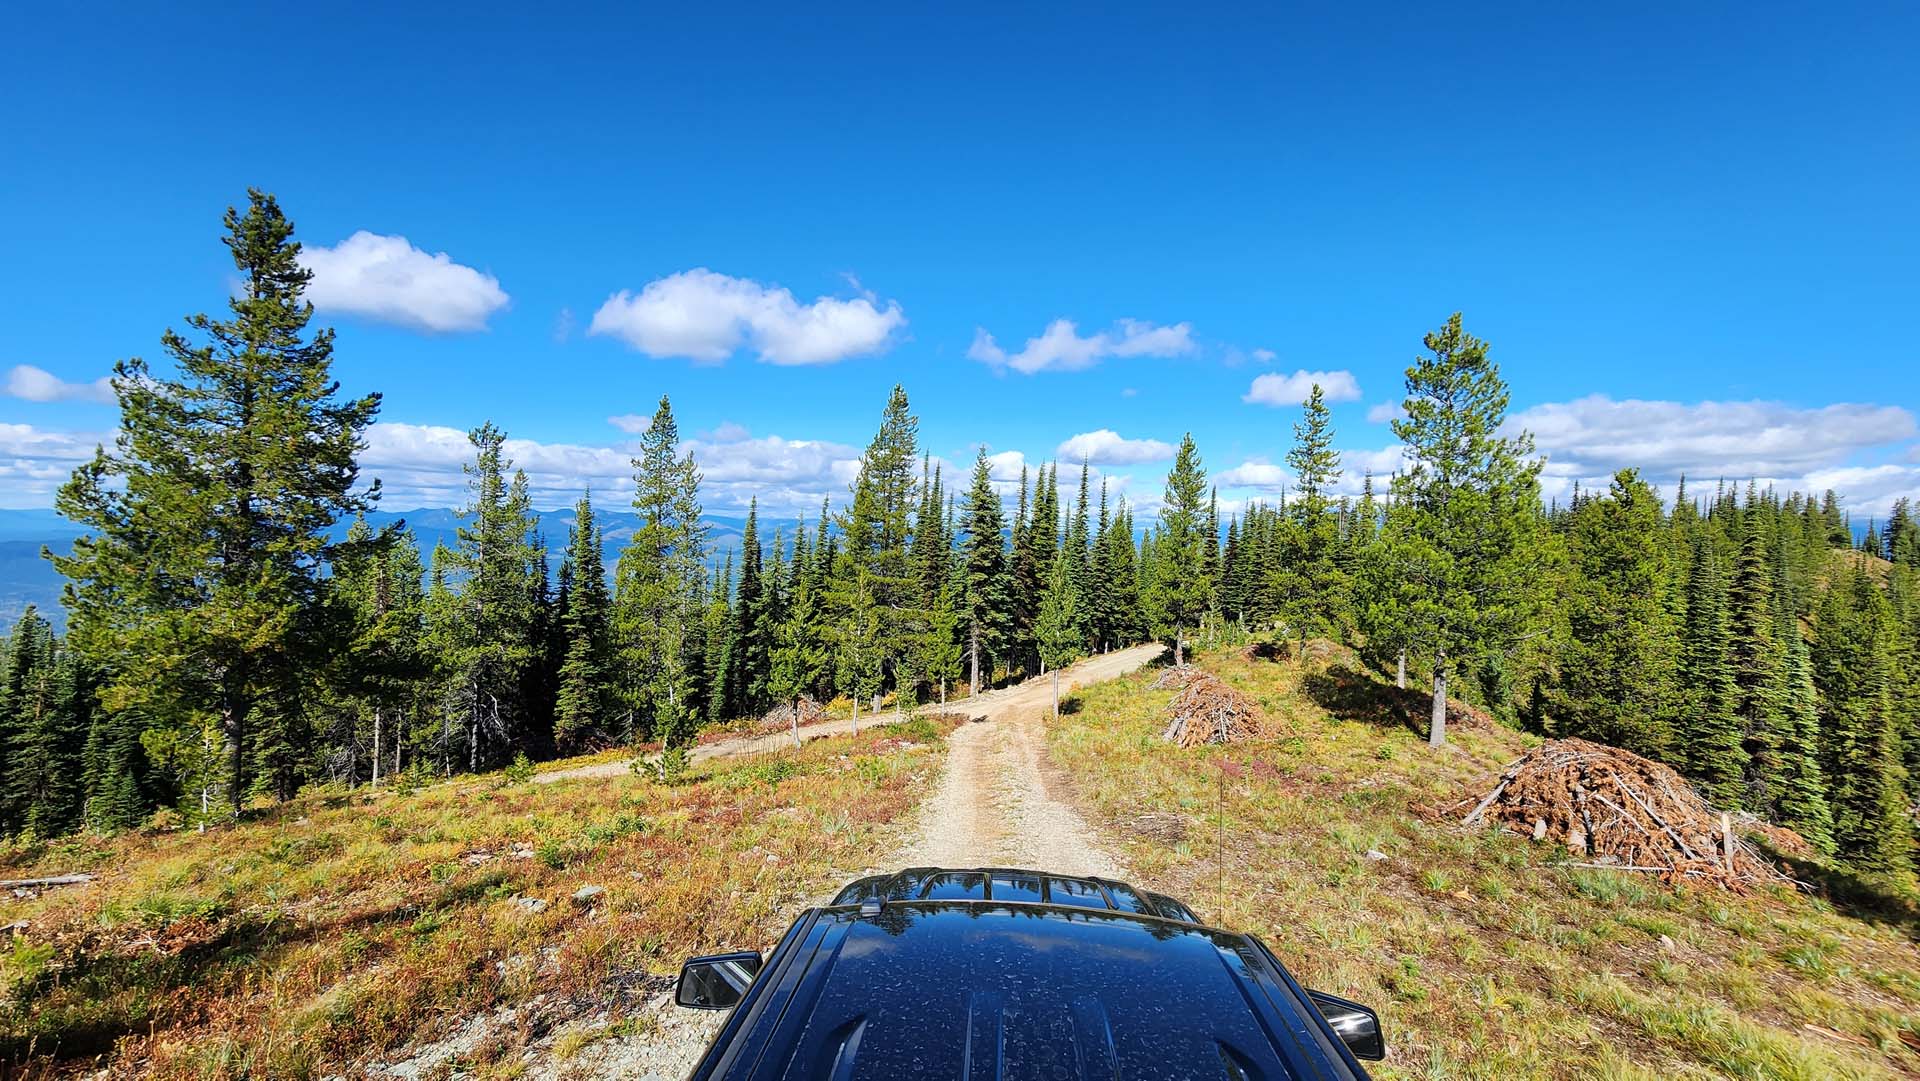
(1058,625)
(983,595)
(878,530)
(381,677)
(657,586)
(1464,555)
(1309,585)
(198,588)
(1802,802)
(751,638)
(1617,674)
(44,718)
(1712,734)
(1758,696)
(1903,535)
(1182,593)
(585,708)
(1872,822)
(496,571)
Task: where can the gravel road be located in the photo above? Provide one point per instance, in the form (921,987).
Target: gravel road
(993,807)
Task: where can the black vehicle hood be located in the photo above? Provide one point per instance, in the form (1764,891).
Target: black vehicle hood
(982,990)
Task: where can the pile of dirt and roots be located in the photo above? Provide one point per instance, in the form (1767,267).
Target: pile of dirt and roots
(1206,710)
(1616,809)
(781,717)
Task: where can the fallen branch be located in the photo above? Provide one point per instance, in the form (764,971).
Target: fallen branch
(37,883)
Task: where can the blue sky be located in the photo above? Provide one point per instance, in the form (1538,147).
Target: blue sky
(1691,234)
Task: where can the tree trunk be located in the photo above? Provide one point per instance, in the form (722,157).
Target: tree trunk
(796,719)
(1437,731)
(375,781)
(943,691)
(856,715)
(973,653)
(1179,658)
(1056,694)
(1400,677)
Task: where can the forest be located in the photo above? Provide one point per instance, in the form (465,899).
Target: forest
(223,652)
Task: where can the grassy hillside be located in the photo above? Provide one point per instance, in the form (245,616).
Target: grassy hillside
(341,927)
(1487,956)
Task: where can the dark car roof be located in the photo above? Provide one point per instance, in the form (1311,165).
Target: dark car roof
(988,989)
(1011,885)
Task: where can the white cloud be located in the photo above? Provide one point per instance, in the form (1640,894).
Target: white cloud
(39,385)
(1128,392)
(1271,478)
(1061,348)
(387,279)
(1108,447)
(1385,412)
(1265,356)
(1596,435)
(708,317)
(1274,388)
(632,423)
(35,463)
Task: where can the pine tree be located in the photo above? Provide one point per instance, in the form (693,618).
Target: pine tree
(1802,801)
(1309,586)
(44,717)
(1757,672)
(1617,674)
(657,586)
(497,570)
(377,577)
(1182,593)
(1463,564)
(584,709)
(198,589)
(983,596)
(1872,824)
(752,634)
(878,531)
(1058,624)
(1903,535)
(1712,735)
(858,644)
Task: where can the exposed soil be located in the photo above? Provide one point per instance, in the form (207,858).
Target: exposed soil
(996,805)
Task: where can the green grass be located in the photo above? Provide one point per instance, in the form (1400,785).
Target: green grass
(327,933)
(1487,956)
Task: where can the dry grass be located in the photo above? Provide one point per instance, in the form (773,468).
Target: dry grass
(337,929)
(1487,955)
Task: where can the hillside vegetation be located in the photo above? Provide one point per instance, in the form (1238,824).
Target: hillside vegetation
(1336,840)
(333,931)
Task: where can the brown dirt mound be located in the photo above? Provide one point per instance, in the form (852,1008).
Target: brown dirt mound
(1622,811)
(1207,710)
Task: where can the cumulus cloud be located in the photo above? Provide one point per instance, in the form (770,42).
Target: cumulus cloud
(1596,435)
(1273,388)
(39,385)
(708,317)
(632,423)
(387,279)
(1108,447)
(1384,412)
(1061,348)
(34,462)
(1271,478)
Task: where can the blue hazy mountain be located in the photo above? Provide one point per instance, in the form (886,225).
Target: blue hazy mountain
(26,578)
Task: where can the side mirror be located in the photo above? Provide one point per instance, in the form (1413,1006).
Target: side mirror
(716,981)
(1357,1026)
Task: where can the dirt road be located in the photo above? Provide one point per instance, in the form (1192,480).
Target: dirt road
(993,807)
(984,707)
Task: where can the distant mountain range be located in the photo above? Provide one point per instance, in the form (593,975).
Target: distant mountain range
(26,578)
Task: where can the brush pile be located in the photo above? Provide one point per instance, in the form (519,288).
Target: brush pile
(1618,810)
(780,718)
(1206,710)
